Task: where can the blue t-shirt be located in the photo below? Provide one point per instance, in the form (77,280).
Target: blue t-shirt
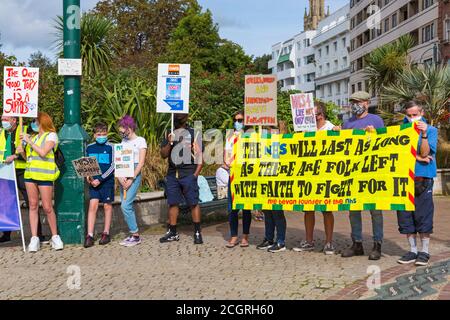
(105,158)
(423,169)
(369,120)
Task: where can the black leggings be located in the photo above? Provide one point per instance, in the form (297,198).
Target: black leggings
(234,222)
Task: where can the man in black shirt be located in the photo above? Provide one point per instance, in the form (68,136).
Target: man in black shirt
(185,164)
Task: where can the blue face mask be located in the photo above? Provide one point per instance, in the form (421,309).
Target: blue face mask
(34,127)
(101,140)
(6,125)
(238,126)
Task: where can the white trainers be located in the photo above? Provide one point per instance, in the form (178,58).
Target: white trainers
(57,243)
(34,245)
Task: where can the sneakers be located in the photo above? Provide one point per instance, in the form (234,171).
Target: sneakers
(376,251)
(422,259)
(329,249)
(6,237)
(56,243)
(34,245)
(277,248)
(266,244)
(131,241)
(88,242)
(355,250)
(304,246)
(170,237)
(408,258)
(105,239)
(198,238)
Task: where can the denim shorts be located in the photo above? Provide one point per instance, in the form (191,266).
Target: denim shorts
(40,183)
(182,190)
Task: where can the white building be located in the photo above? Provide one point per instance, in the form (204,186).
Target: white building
(332,57)
(418,18)
(293,62)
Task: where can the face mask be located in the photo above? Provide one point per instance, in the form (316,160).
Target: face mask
(101,140)
(414,119)
(6,125)
(34,127)
(358,109)
(238,126)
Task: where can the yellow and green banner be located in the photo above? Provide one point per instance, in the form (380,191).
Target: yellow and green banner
(325,170)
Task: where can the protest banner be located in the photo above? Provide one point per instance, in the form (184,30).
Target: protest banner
(260,100)
(123,162)
(20,94)
(173,88)
(10,218)
(87,167)
(303,115)
(326,170)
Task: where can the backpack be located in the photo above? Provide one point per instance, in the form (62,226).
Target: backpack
(59,158)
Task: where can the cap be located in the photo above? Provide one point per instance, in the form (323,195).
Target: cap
(360,96)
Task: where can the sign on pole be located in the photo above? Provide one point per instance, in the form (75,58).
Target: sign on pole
(303,115)
(69,67)
(123,162)
(87,167)
(20,92)
(261,100)
(173,88)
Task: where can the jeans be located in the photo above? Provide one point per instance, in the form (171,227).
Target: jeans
(233,217)
(128,210)
(377,225)
(275,219)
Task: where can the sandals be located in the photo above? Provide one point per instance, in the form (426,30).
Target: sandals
(230,245)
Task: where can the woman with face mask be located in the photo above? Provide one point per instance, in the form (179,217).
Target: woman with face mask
(130,140)
(238,124)
(40,174)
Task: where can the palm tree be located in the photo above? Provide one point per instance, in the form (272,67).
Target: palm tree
(96,51)
(428,84)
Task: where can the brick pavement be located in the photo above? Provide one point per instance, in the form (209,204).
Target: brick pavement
(184,271)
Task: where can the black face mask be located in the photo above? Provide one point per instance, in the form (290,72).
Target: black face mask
(178,122)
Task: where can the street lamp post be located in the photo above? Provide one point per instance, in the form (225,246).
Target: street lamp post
(70,199)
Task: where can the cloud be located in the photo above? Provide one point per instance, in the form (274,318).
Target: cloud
(230,23)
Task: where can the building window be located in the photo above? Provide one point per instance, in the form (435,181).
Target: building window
(336,65)
(320,53)
(328,68)
(447,30)
(345,86)
(359,86)
(320,70)
(327,49)
(344,42)
(428,62)
(394,20)
(427,3)
(307,43)
(335,46)
(353,88)
(344,62)
(428,33)
(386,25)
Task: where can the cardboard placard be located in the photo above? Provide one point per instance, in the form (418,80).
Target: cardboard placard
(87,167)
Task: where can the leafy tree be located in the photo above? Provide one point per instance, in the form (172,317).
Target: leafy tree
(39,60)
(261,64)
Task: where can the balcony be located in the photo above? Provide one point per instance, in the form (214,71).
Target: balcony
(286,74)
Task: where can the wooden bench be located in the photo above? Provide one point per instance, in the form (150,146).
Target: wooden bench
(207,208)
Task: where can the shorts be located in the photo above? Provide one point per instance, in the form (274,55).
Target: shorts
(40,183)
(104,193)
(182,190)
(420,220)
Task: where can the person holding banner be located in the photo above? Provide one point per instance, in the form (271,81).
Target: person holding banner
(328,217)
(362,119)
(184,152)
(40,175)
(420,221)
(9,141)
(233,215)
(129,187)
(101,189)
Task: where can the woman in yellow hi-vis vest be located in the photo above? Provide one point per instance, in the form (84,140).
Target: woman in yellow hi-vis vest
(40,174)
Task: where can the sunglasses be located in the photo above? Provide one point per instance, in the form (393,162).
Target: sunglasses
(239,120)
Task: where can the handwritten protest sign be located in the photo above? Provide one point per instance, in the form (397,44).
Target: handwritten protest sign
(123,161)
(303,116)
(173,88)
(261,100)
(20,94)
(326,171)
(86,167)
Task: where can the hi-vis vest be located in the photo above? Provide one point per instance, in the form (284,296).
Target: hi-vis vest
(38,168)
(19,164)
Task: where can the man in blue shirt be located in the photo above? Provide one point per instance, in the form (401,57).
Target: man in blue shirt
(364,120)
(420,221)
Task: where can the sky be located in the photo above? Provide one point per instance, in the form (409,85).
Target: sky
(26,26)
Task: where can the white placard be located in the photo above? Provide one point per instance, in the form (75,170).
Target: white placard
(21,91)
(123,162)
(173,88)
(303,115)
(69,67)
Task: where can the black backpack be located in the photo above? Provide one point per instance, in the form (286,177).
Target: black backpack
(59,159)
